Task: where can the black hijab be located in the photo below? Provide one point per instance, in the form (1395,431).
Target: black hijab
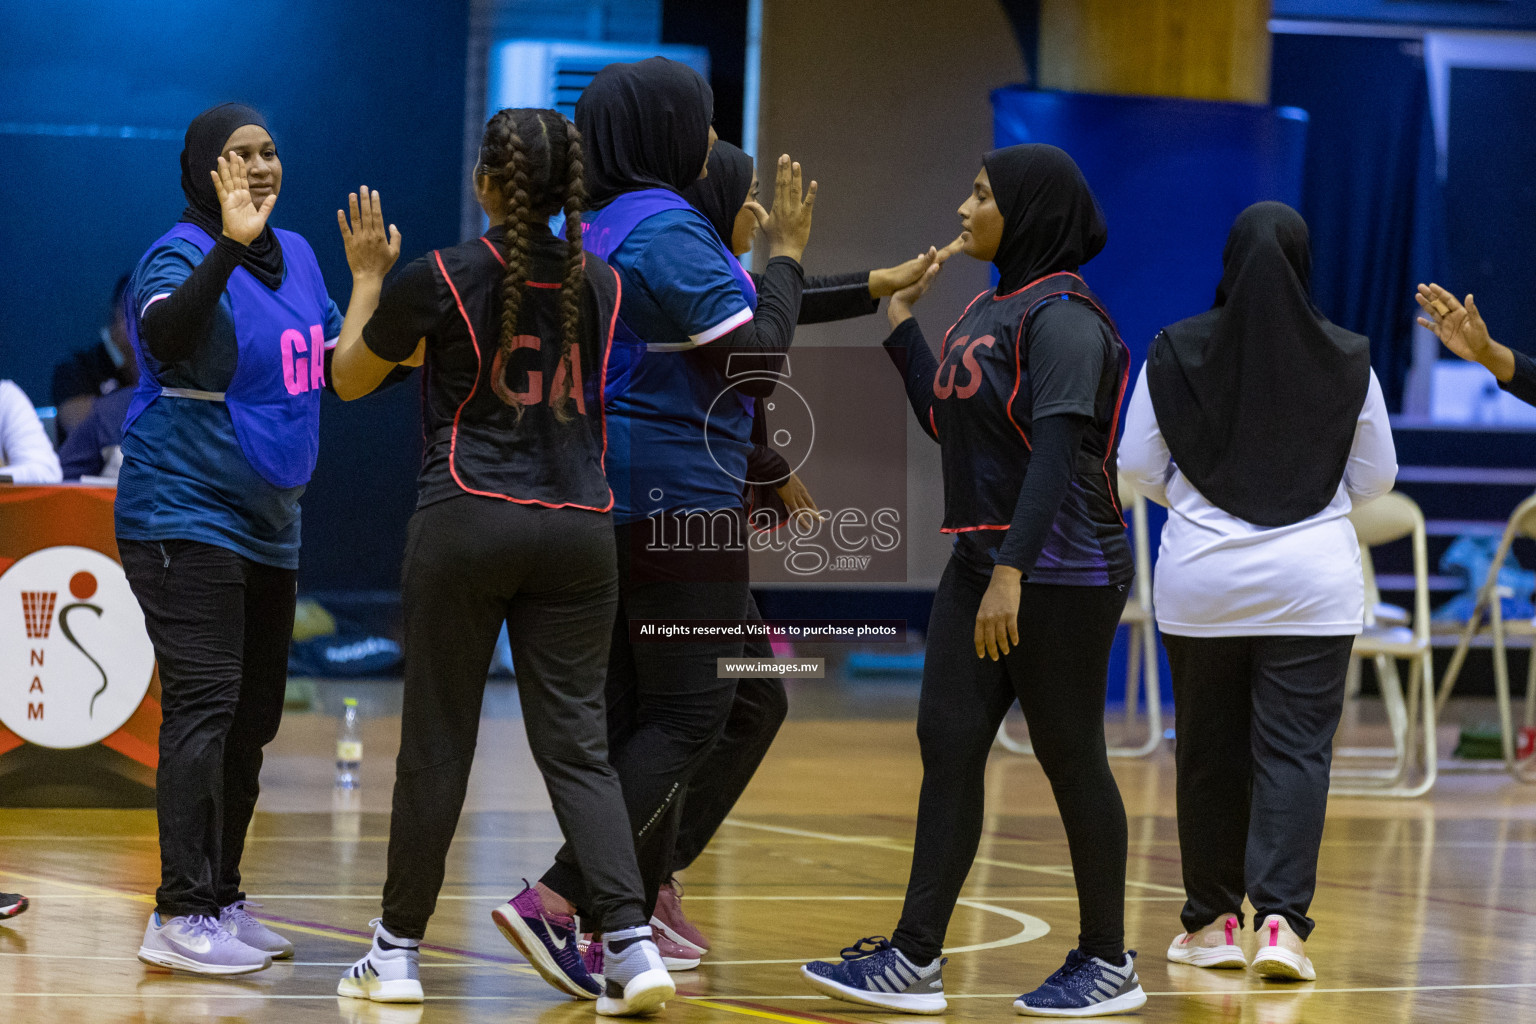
(643,125)
(1051,222)
(1258,397)
(204,144)
(721,196)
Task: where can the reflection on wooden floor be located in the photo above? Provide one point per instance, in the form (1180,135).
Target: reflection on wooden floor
(1426,909)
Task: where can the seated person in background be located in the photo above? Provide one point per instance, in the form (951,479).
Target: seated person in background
(1461,329)
(26,455)
(88,374)
(94,447)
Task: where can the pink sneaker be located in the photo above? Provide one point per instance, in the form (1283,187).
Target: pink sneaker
(676,957)
(1215,945)
(673,956)
(592,954)
(669,923)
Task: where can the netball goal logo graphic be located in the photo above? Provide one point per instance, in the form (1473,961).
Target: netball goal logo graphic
(75,661)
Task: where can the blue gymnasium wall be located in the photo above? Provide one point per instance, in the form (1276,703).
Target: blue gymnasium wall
(94,99)
(1171,175)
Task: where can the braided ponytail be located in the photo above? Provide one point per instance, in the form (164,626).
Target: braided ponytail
(537,176)
(575,262)
(514,189)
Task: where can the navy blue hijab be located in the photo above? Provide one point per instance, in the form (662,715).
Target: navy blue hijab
(643,125)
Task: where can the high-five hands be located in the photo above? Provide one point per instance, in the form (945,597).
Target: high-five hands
(899,310)
(788,227)
(891,280)
(243,220)
(371,251)
(1461,329)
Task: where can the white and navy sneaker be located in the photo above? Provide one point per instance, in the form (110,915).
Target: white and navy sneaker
(880,976)
(243,925)
(198,945)
(390,973)
(635,980)
(12,903)
(1086,986)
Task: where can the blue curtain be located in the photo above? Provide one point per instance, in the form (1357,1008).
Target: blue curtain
(1369,191)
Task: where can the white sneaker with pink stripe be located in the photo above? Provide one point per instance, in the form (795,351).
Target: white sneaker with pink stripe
(1282,954)
(1215,946)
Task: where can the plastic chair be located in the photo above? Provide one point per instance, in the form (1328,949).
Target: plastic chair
(1141,658)
(1522,523)
(1392,517)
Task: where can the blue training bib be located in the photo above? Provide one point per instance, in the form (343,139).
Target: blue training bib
(274,397)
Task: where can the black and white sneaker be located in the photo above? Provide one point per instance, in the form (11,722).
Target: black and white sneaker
(390,973)
(11,904)
(882,976)
(1086,986)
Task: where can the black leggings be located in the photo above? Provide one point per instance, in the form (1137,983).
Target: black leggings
(472,563)
(756,714)
(666,701)
(1057,673)
(220,624)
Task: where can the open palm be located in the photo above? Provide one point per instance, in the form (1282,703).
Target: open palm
(1459,327)
(243,219)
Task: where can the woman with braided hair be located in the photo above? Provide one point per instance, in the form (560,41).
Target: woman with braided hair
(511,525)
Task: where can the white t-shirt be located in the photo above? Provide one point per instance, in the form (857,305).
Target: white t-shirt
(26,455)
(1218,575)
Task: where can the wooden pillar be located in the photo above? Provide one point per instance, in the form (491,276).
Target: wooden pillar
(1196,49)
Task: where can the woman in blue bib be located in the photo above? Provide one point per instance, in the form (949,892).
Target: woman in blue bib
(678,432)
(230,322)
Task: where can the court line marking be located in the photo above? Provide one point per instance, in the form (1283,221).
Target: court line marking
(896,846)
(303,927)
(748,1009)
(699,898)
(1277,991)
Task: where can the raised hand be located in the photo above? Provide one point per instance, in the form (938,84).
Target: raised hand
(789,225)
(900,308)
(890,280)
(243,220)
(1461,329)
(371,251)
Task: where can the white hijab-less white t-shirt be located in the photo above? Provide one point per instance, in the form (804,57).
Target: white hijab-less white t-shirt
(1218,575)
(26,455)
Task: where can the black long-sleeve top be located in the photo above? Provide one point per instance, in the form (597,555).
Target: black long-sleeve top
(1523,384)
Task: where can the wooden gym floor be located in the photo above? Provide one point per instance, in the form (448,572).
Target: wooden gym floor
(1426,909)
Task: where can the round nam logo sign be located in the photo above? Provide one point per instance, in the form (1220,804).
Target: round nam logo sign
(75,661)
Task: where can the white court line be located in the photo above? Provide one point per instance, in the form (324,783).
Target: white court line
(276,963)
(896,846)
(692,899)
(1278,991)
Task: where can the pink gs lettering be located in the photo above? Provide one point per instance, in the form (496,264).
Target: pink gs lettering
(963,353)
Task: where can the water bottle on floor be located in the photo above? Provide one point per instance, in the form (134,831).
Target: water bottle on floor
(349,747)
